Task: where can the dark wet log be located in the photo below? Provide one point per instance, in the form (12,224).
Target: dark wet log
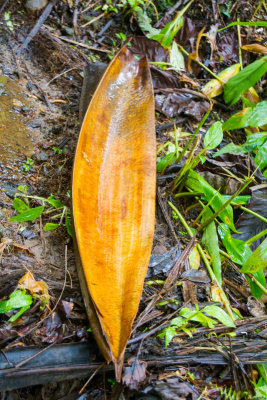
(54,364)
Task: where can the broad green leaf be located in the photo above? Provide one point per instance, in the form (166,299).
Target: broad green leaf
(176,58)
(242,199)
(255,140)
(144,23)
(259,114)
(19,313)
(50,226)
(238,250)
(220,315)
(253,117)
(261,157)
(28,215)
(165,161)
(178,322)
(255,290)
(211,244)
(55,203)
(238,120)
(262,368)
(257,260)
(214,136)
(197,316)
(231,148)
(246,78)
(195,182)
(168,333)
(167,33)
(19,205)
(17,299)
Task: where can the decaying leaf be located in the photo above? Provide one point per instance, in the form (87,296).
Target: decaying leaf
(214,87)
(28,282)
(114,200)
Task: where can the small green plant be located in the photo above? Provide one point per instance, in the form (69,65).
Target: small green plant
(180,323)
(121,37)
(53,209)
(9,23)
(58,150)
(18,299)
(29,162)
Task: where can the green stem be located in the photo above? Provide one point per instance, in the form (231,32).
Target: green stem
(256,237)
(257,283)
(188,194)
(202,65)
(207,221)
(206,262)
(239,45)
(250,212)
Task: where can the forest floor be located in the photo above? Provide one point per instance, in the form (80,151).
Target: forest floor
(197,357)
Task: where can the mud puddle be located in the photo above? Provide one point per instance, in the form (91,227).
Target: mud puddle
(16,139)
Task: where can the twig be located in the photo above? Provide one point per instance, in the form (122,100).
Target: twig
(91,377)
(93,20)
(3,6)
(86,46)
(37,26)
(166,215)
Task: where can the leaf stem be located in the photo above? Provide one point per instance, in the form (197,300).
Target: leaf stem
(206,262)
(202,65)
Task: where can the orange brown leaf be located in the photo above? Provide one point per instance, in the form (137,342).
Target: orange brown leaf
(114,198)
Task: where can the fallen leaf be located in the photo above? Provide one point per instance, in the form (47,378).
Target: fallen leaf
(114,205)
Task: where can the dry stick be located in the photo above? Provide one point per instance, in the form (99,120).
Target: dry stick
(166,216)
(3,6)
(93,20)
(37,26)
(86,46)
(91,377)
(169,281)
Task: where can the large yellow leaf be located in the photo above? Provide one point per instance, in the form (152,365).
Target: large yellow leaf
(114,199)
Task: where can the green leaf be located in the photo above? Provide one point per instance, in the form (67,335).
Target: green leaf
(242,199)
(238,120)
(259,115)
(256,140)
(240,23)
(167,33)
(238,250)
(220,315)
(144,23)
(214,136)
(165,161)
(176,58)
(178,322)
(231,148)
(197,316)
(18,314)
(246,78)
(211,244)
(68,223)
(19,205)
(257,260)
(261,157)
(195,182)
(50,226)
(168,333)
(255,290)
(28,215)
(55,203)
(17,299)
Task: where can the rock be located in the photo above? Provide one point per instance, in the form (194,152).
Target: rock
(42,156)
(36,5)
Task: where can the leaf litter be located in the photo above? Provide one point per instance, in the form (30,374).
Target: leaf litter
(233,240)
